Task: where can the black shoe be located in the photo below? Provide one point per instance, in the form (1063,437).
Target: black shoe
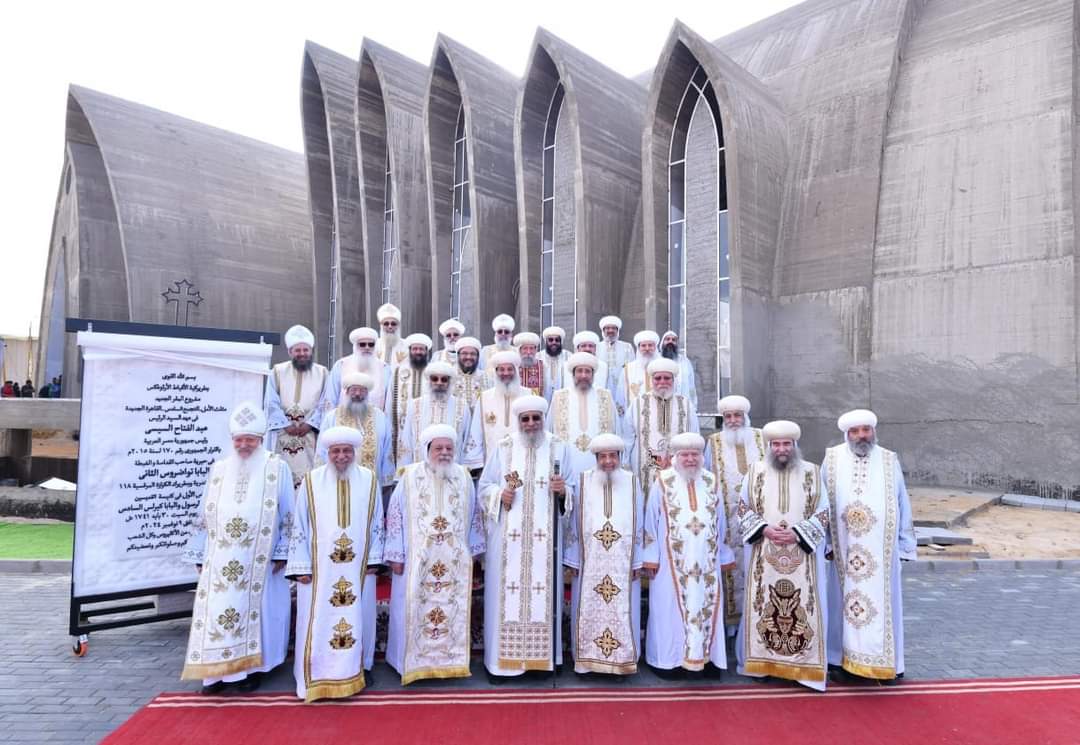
(496,680)
(712,672)
(893,681)
(213,688)
(250,684)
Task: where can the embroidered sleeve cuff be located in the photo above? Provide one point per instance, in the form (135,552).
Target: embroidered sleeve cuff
(756,535)
(649,565)
(750,523)
(810,535)
(394,556)
(297,570)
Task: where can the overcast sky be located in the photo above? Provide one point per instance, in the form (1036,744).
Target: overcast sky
(236,65)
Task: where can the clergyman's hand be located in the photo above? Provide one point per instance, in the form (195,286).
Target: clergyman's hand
(278,565)
(558,485)
(507,497)
(304,579)
(780,536)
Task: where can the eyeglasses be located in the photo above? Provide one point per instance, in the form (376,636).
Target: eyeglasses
(526,418)
(439,379)
(365,343)
(389,324)
(503,332)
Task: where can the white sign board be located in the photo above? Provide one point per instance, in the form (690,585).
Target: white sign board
(155,416)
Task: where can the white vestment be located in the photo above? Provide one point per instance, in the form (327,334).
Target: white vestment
(425,411)
(636,381)
(604,543)
(521,579)
(490,349)
(491,422)
(600,376)
(871,532)
(434,527)
(783,631)
(406,383)
(375,448)
(469,386)
(240,621)
(614,354)
(649,425)
(339,534)
(684,530)
(729,463)
(292,397)
(576,417)
(555,367)
(391,355)
(377,369)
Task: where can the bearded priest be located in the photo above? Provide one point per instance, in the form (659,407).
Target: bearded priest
(292,397)
(363,360)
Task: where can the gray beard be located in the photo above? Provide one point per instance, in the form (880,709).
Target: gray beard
(358,409)
(440,396)
(441,470)
(528,361)
(609,476)
(502,345)
(364,360)
(584,386)
(533,439)
(512,388)
(733,437)
(664,395)
(390,340)
(343,473)
(774,462)
(689,474)
(862,449)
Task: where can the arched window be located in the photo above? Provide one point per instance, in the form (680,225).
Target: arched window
(547,248)
(331,350)
(389,256)
(697,90)
(462,211)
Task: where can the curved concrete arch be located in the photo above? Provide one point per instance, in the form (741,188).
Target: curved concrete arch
(754,132)
(487,95)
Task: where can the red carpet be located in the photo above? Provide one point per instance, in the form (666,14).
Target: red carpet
(1031,711)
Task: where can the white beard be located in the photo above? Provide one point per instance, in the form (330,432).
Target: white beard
(440,470)
(689,474)
(664,395)
(512,388)
(733,437)
(502,345)
(391,340)
(440,396)
(359,409)
(534,439)
(646,358)
(365,361)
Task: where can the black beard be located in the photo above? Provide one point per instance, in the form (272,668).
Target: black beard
(418,363)
(670,351)
(554,352)
(301,365)
(469,368)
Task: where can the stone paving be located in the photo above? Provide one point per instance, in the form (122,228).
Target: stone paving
(959,624)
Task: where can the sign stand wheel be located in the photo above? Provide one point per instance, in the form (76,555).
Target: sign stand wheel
(81,645)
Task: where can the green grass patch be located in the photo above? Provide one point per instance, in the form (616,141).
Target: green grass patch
(36,540)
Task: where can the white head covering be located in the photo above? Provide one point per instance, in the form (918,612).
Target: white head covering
(362,333)
(435,432)
(361,379)
(451,324)
(663,364)
(585,337)
(439,368)
(528,403)
(468,342)
(502,321)
(388,310)
(247,419)
(686,441)
(422,339)
(735,403)
(526,337)
(781,429)
(579,359)
(553,331)
(611,321)
(299,335)
(506,357)
(856,418)
(667,334)
(340,436)
(646,335)
(605,442)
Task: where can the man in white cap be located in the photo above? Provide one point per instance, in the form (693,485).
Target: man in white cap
(434,531)
(375,451)
(503,326)
(604,533)
(450,330)
(684,556)
(390,348)
(588,341)
(613,352)
(635,379)
(582,411)
(363,360)
(532,373)
(524,490)
(239,544)
(554,357)
(669,347)
(408,382)
(492,419)
(783,522)
(336,549)
(653,418)
(437,406)
(292,398)
(872,533)
(470,380)
(729,454)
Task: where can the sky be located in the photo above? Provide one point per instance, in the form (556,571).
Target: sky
(236,65)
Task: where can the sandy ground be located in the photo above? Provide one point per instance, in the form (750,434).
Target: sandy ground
(50,443)
(1023,533)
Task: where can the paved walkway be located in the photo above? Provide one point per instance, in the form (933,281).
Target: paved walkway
(959,624)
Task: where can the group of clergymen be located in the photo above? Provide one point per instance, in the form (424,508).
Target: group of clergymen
(533,460)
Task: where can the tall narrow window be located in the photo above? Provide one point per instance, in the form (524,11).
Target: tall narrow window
(462,211)
(331,347)
(389,257)
(547,248)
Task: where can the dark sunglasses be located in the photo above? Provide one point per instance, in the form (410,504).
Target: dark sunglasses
(533,418)
(439,379)
(365,343)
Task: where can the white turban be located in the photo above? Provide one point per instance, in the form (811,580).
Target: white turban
(645,335)
(606,442)
(340,436)
(468,342)
(361,379)
(299,335)
(662,365)
(582,359)
(506,357)
(528,403)
(735,403)
(669,333)
(585,337)
(857,418)
(422,339)
(551,331)
(781,430)
(363,332)
(451,324)
(502,321)
(686,441)
(247,419)
(436,432)
(439,368)
(388,310)
(611,321)
(526,337)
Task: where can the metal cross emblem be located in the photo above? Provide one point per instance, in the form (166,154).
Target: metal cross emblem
(183,292)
